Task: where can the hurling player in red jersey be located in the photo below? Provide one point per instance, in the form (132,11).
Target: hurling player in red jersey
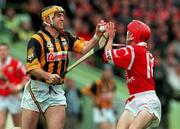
(12,80)
(143,108)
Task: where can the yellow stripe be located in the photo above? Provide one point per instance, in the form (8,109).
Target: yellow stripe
(38,38)
(43,61)
(51,64)
(33,65)
(78,45)
(59,64)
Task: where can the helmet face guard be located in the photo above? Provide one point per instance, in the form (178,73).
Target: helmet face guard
(129,37)
(138,32)
(50,12)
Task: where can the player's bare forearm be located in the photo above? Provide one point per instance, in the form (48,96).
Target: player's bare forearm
(40,74)
(109,44)
(111,31)
(88,45)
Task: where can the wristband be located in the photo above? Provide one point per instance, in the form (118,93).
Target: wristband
(96,37)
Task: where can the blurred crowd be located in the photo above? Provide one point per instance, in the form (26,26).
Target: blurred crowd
(20,19)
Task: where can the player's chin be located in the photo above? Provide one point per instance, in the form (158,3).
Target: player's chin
(60,28)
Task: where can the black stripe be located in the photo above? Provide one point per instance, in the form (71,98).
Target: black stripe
(37,46)
(55,62)
(67,61)
(46,50)
(33,77)
(63,61)
(68,41)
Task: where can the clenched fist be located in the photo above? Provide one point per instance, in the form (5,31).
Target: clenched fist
(53,79)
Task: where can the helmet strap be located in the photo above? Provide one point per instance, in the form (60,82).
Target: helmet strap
(47,23)
(128,39)
(52,23)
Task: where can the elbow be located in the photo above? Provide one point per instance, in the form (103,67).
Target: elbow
(84,51)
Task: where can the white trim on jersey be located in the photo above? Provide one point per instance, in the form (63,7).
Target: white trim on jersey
(19,65)
(142,44)
(8,61)
(132,57)
(109,57)
(148,65)
(152,65)
(22,67)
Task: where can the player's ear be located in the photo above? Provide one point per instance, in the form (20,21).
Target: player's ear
(47,20)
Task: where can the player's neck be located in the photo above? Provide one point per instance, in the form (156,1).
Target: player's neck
(52,31)
(131,43)
(3,60)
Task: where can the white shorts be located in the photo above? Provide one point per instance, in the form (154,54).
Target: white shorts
(145,101)
(10,103)
(103,115)
(43,96)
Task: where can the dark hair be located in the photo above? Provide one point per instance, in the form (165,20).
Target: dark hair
(4,44)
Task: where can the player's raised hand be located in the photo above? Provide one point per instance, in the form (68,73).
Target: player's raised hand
(110,29)
(100,28)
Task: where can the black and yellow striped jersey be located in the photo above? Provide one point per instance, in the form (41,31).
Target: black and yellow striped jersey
(51,53)
(98,90)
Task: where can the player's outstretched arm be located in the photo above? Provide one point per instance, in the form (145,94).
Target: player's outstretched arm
(111,32)
(110,29)
(88,45)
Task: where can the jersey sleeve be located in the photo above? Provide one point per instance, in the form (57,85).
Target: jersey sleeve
(94,88)
(76,43)
(33,55)
(89,90)
(123,57)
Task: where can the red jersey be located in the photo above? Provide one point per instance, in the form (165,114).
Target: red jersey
(138,63)
(12,71)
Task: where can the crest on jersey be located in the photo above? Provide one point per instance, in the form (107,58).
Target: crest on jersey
(74,36)
(64,41)
(50,45)
(10,69)
(30,54)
